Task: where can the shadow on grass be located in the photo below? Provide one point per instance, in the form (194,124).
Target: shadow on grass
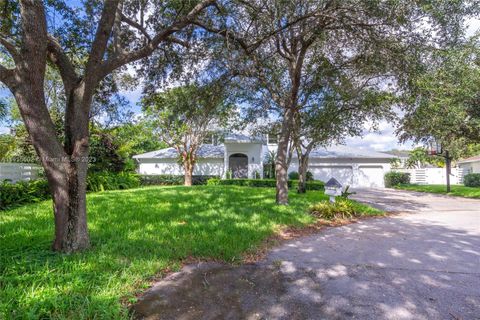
(134,234)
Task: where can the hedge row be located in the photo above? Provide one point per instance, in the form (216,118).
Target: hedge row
(22,192)
(171,180)
(98,182)
(12,194)
(262,183)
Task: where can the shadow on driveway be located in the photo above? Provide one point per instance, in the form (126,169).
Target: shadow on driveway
(421,266)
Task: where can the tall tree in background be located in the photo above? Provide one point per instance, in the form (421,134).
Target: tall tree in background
(184,116)
(283,70)
(86,47)
(447,94)
(342,112)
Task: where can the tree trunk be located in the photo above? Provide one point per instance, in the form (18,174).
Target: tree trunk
(448,165)
(69,205)
(281,165)
(188,174)
(302,173)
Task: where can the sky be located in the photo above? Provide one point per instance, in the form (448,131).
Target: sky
(382,140)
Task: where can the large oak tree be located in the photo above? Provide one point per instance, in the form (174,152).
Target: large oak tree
(90,45)
(284,70)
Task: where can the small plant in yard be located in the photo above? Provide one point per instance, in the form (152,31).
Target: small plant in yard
(341,209)
(346,193)
(472,180)
(309,176)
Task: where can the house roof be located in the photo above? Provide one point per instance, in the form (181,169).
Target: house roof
(471,159)
(204,151)
(218,151)
(340,151)
(398,153)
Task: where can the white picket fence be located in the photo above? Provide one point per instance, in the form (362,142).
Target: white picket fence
(19,171)
(435,175)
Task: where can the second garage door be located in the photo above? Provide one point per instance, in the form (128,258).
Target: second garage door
(343,174)
(370,176)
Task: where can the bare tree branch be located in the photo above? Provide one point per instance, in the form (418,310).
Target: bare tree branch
(100,42)
(11,48)
(136,25)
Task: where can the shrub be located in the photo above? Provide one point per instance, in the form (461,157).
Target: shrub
(22,192)
(102,181)
(310,176)
(342,208)
(394,178)
(472,180)
(14,194)
(256,175)
(172,180)
(262,183)
(294,175)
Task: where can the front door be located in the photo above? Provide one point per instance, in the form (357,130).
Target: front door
(238,164)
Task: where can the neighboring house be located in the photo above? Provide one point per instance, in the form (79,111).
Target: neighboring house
(470,165)
(245,155)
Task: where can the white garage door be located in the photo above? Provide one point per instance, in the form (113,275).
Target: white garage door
(370,176)
(343,174)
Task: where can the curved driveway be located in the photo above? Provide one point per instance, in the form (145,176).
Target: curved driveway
(422,263)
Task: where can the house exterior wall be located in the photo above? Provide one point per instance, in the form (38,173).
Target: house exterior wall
(352,172)
(252,150)
(171,166)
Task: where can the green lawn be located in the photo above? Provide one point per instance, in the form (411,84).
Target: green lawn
(135,235)
(456,190)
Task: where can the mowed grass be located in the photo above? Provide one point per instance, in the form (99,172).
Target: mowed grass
(456,190)
(135,234)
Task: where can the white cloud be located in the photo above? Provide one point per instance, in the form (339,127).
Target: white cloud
(382,140)
(473,26)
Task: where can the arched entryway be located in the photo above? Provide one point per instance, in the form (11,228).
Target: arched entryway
(238,164)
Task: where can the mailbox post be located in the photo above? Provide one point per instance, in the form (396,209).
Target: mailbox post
(333,188)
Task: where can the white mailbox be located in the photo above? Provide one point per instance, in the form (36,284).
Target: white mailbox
(333,188)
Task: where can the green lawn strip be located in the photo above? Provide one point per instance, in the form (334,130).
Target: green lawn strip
(135,235)
(456,190)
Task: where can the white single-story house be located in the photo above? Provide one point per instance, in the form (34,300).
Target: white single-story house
(470,165)
(245,155)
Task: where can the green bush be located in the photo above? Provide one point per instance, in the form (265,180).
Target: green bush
(102,181)
(294,175)
(472,180)
(394,178)
(15,194)
(342,208)
(172,180)
(262,183)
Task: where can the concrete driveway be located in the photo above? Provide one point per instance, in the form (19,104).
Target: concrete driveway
(423,263)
